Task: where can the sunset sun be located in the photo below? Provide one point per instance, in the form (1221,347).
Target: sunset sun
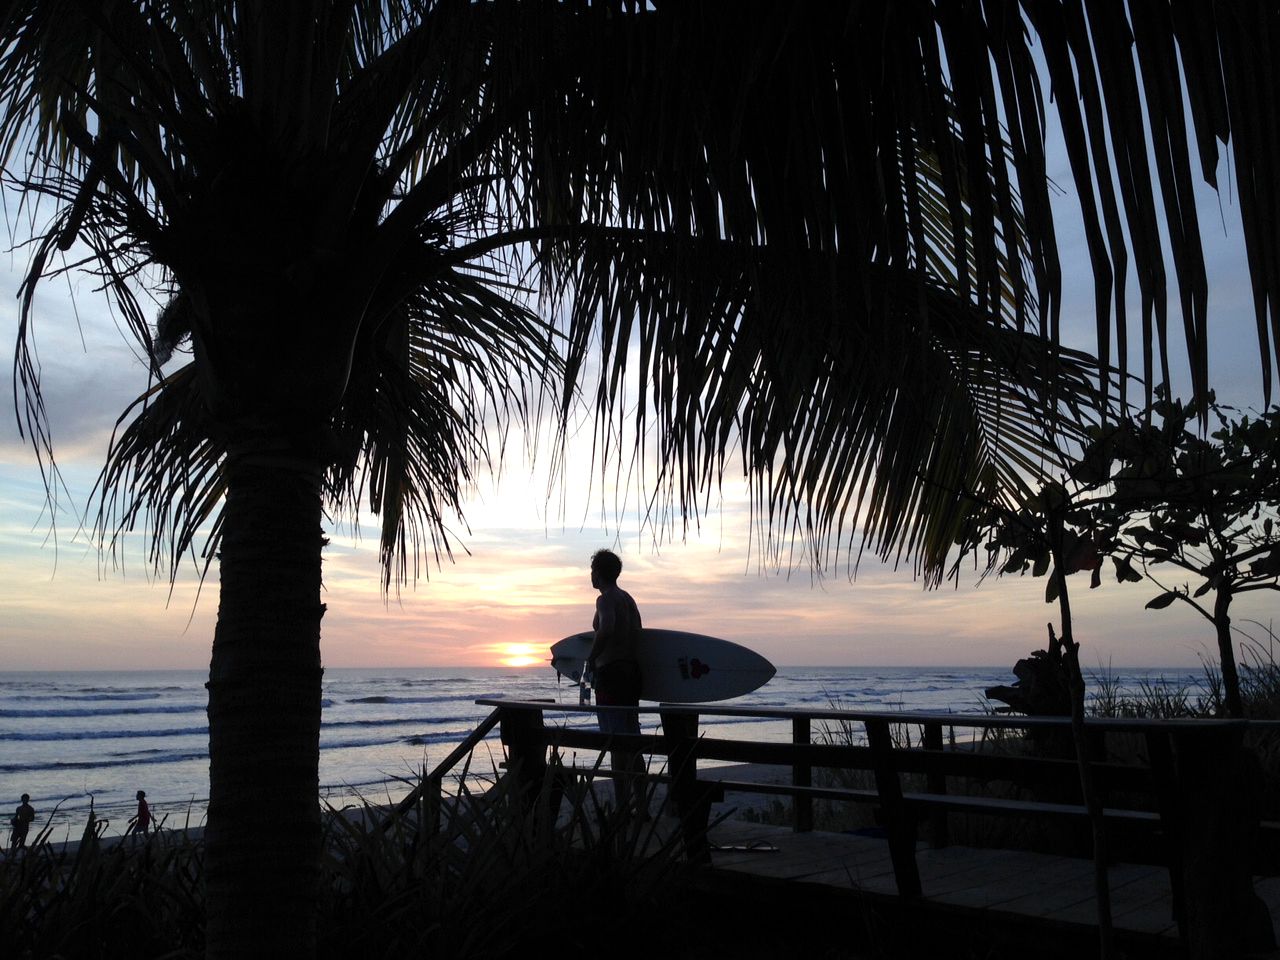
(520,654)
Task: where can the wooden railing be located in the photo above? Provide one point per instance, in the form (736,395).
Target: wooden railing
(1195,792)
(432,783)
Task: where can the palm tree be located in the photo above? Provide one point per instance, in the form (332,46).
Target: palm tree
(816,236)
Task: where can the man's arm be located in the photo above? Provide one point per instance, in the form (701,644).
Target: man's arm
(605,624)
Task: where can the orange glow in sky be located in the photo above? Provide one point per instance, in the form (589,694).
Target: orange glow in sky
(521,654)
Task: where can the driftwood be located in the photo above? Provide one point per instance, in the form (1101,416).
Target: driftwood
(1041,689)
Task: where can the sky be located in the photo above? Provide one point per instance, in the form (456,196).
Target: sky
(519,578)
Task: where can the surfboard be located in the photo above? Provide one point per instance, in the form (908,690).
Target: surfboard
(677,667)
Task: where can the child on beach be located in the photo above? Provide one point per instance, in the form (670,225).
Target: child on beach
(22,818)
(141,823)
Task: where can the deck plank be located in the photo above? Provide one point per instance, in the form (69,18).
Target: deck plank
(1050,888)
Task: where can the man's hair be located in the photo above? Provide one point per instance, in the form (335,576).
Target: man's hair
(607,564)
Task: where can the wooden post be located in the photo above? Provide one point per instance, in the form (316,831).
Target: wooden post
(801,776)
(1164,778)
(523,734)
(1215,811)
(897,821)
(432,804)
(691,799)
(937,783)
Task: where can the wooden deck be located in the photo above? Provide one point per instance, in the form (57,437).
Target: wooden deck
(993,887)
(1181,794)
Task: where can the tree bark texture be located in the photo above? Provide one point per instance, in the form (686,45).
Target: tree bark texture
(263,833)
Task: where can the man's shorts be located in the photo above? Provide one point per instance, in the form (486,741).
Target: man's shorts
(617,684)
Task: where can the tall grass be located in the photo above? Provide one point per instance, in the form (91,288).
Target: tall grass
(501,876)
(136,897)
(1260,677)
(1157,699)
(1161,700)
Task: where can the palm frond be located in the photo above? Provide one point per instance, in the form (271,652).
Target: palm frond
(892,154)
(164,474)
(789,125)
(847,411)
(448,370)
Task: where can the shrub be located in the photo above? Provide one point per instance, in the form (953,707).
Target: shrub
(500,876)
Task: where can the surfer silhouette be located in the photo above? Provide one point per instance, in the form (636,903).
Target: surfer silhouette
(22,818)
(614,666)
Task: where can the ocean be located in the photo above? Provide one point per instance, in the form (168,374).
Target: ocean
(72,738)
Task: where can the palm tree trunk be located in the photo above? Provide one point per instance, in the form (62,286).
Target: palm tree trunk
(263,834)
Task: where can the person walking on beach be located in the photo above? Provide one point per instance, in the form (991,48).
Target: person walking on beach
(141,822)
(22,819)
(614,665)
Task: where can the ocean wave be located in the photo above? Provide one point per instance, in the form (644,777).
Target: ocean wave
(103,734)
(59,765)
(426,739)
(55,736)
(104,712)
(88,696)
(385,722)
(387,698)
(329,789)
(126,689)
(824,677)
(353,744)
(162,756)
(467,718)
(711,722)
(382,781)
(340,684)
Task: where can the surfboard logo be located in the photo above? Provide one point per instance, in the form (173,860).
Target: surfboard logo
(692,668)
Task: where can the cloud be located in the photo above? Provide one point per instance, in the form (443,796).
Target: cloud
(89,370)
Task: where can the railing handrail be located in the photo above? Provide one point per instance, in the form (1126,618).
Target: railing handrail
(466,746)
(1197,774)
(436,776)
(1128,724)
